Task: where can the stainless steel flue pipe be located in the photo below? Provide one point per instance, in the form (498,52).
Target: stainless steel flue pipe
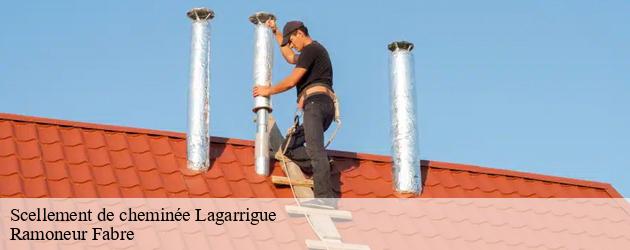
(406,167)
(263,63)
(198,137)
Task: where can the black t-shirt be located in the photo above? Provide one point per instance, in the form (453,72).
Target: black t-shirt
(314,58)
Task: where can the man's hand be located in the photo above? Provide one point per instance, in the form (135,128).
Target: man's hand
(262,91)
(272,25)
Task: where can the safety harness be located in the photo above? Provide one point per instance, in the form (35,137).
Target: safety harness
(337,118)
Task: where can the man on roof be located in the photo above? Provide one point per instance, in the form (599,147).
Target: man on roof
(313,79)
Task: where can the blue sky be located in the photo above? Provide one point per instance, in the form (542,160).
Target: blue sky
(534,86)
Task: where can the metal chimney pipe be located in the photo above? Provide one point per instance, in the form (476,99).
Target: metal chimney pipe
(198,137)
(263,62)
(406,169)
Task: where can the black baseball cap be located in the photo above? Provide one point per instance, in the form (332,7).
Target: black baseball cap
(288,29)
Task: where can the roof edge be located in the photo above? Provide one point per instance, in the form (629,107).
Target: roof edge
(541,177)
(116,128)
(344,154)
(613,192)
(106,127)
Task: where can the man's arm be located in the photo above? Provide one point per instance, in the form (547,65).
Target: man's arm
(287,52)
(284,85)
(289,81)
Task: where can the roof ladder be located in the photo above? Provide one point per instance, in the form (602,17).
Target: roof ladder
(321,220)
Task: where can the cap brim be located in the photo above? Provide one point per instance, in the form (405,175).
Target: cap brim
(285,41)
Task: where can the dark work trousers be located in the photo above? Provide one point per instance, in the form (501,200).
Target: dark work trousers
(306,147)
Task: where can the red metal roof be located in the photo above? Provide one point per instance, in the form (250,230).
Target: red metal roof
(42,157)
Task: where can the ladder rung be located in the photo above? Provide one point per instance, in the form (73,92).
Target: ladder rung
(282,180)
(313,244)
(337,214)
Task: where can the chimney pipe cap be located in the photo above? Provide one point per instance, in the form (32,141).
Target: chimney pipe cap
(200,14)
(400,45)
(261,17)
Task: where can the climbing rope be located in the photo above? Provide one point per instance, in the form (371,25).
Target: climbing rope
(337,121)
